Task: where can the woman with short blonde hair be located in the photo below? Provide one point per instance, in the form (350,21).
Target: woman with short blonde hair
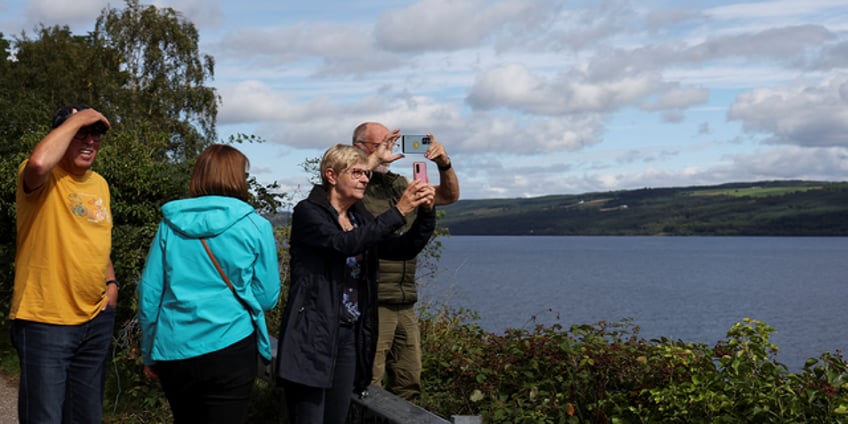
(328,334)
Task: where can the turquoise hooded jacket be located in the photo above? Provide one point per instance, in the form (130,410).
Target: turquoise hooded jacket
(185,307)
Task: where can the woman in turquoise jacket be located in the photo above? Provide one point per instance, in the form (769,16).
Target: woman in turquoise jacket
(200,337)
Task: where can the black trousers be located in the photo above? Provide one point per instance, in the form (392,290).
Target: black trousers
(311,405)
(211,388)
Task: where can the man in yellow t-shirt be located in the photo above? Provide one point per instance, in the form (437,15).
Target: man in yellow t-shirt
(63,306)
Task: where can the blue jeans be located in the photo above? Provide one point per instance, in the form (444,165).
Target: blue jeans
(63,369)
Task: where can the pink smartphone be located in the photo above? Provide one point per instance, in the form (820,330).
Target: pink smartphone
(419,171)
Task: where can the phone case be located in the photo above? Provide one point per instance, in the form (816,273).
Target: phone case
(419,171)
(415,143)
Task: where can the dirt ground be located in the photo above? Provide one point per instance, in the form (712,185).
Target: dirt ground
(8,401)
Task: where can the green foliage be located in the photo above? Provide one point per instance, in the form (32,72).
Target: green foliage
(756,191)
(131,398)
(748,385)
(142,68)
(605,373)
(164,76)
(8,357)
(310,167)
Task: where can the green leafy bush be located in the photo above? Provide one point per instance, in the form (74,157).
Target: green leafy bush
(606,373)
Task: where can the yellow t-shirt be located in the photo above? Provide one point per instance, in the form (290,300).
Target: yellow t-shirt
(63,245)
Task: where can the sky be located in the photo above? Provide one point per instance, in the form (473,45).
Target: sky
(529,97)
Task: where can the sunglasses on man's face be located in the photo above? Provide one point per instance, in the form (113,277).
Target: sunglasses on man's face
(95,131)
(83,135)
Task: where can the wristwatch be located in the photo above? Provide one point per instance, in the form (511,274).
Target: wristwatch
(115,282)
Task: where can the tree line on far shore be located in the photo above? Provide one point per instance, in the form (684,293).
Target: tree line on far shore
(764,208)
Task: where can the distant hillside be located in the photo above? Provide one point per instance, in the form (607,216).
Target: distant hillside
(797,208)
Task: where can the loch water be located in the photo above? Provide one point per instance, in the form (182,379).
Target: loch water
(688,288)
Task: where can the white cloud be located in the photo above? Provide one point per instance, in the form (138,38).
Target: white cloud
(336,48)
(50,12)
(799,114)
(784,44)
(575,28)
(294,123)
(199,12)
(775,9)
(792,162)
(673,117)
(542,79)
(679,98)
(777,164)
(530,97)
(503,134)
(251,101)
(449,25)
(660,20)
(833,56)
(515,87)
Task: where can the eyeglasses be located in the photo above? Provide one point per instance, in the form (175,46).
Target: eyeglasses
(358,173)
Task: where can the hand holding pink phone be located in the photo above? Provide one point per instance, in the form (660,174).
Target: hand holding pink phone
(419,172)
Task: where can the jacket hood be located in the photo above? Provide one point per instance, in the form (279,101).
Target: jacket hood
(205,216)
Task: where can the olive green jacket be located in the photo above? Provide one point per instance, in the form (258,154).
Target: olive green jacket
(396,280)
